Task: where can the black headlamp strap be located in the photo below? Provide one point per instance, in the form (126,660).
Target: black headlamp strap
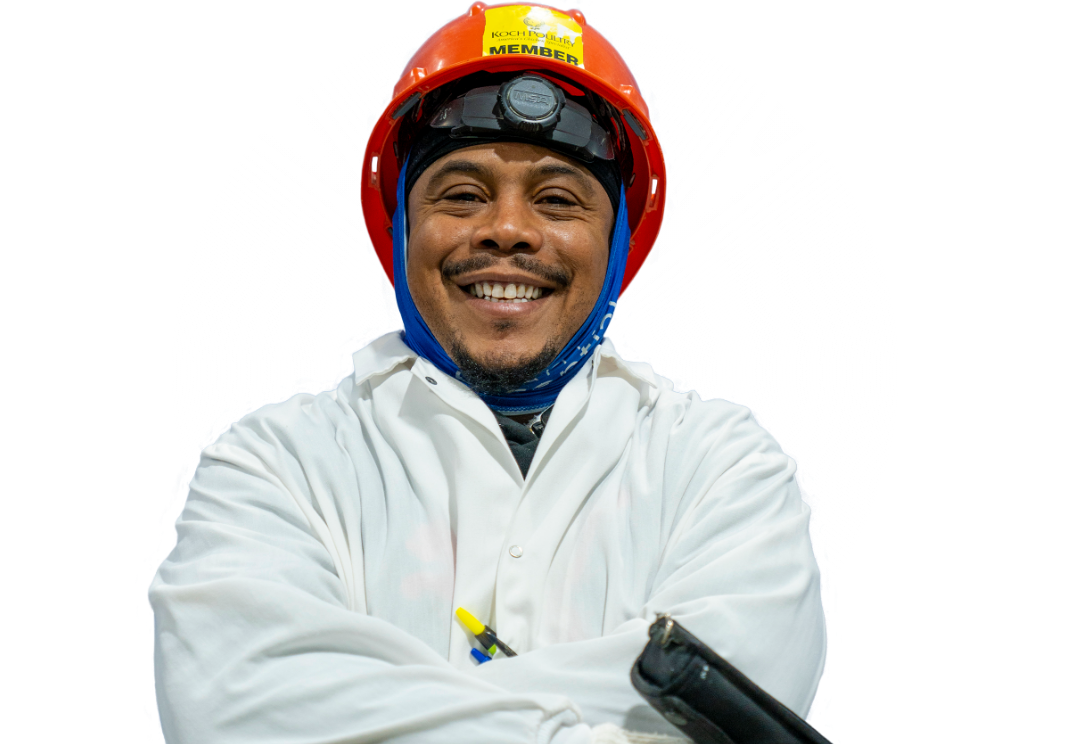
(531,105)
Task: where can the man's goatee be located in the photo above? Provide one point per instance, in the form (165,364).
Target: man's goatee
(491,379)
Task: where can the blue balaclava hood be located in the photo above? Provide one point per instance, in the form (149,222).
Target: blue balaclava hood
(541,391)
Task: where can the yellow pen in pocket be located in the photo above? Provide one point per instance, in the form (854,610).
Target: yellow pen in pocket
(483,634)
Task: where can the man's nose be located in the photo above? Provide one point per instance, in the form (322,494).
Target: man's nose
(510,225)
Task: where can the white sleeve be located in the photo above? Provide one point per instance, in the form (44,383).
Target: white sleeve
(738,571)
(255,642)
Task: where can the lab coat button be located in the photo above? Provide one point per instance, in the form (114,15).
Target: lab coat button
(516,551)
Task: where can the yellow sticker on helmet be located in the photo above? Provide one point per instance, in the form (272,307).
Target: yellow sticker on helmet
(534,30)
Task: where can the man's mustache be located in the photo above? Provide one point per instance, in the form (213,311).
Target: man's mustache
(525,263)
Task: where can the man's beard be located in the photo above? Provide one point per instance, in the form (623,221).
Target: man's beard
(492,378)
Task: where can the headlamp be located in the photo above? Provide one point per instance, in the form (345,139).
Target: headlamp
(530,105)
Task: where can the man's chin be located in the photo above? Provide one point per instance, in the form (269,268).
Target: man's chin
(497,373)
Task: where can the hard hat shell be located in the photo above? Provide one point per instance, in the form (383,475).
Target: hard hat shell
(456,50)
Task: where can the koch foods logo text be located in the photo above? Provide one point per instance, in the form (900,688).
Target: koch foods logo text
(552,38)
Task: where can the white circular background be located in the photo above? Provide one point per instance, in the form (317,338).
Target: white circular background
(764,286)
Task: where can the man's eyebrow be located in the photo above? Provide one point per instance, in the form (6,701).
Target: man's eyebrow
(560,169)
(458,166)
(471,168)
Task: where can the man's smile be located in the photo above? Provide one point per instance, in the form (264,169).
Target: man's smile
(505,292)
(498,299)
(503,286)
(501,291)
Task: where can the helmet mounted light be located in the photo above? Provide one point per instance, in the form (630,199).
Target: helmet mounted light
(530,105)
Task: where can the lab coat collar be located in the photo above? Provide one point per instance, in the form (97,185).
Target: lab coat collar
(390,351)
(380,356)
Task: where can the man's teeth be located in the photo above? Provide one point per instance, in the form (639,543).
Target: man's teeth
(505,292)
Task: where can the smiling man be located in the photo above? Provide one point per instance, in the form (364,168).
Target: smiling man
(497,456)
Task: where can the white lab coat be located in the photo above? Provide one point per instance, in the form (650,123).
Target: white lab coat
(327,541)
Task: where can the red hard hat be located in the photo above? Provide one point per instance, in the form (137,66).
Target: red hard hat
(492,39)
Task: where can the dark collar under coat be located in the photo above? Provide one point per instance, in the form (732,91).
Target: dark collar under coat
(523,439)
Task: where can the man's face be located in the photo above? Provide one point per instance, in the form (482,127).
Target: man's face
(507,215)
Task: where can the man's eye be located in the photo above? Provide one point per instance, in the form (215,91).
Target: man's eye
(462,196)
(558,199)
